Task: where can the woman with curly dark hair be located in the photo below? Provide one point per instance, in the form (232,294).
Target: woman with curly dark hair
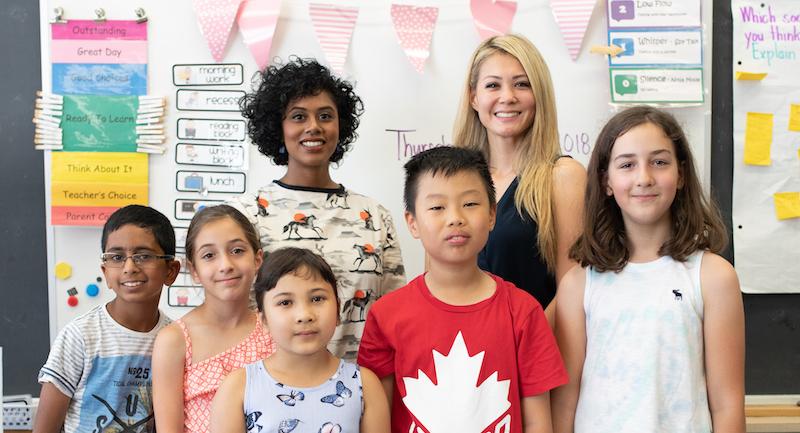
(302,116)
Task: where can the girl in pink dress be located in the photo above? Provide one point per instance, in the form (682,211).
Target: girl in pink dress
(192,356)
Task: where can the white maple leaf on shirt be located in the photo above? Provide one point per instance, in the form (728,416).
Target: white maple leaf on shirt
(457,403)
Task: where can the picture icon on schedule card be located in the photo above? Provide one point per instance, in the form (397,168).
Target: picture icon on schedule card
(625,84)
(622,10)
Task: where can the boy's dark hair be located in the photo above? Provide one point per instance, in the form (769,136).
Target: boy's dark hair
(295,261)
(696,221)
(447,161)
(280,84)
(144,217)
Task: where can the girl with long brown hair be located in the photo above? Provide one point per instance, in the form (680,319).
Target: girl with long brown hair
(651,326)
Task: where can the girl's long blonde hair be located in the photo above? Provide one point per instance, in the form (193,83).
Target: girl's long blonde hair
(536,158)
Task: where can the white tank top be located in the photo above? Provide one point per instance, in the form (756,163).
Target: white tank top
(644,369)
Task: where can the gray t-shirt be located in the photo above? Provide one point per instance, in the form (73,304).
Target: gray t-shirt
(105,369)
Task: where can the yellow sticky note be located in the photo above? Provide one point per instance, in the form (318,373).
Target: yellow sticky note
(750,76)
(758,138)
(787,205)
(63,270)
(794,117)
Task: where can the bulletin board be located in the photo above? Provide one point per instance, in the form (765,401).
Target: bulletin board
(766,180)
(405,111)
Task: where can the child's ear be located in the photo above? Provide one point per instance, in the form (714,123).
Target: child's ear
(173,269)
(264,323)
(193,272)
(492,216)
(259,259)
(609,192)
(411,222)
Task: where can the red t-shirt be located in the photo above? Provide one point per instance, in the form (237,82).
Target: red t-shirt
(461,368)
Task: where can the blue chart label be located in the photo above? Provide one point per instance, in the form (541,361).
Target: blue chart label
(99,79)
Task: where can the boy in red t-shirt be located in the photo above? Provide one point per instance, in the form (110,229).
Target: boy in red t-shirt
(459,349)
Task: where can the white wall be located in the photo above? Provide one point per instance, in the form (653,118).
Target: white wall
(395,97)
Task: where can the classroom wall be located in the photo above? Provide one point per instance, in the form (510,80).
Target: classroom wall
(24,318)
(773,321)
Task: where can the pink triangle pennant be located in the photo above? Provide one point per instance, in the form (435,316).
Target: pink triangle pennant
(334,27)
(493,17)
(257,21)
(414,27)
(573,17)
(215,18)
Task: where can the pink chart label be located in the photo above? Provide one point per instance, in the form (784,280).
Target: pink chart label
(82,51)
(109,30)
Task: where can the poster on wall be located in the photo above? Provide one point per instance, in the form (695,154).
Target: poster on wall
(660,59)
(87,187)
(99,58)
(766,166)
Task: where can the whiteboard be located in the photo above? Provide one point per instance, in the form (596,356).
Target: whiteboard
(766,249)
(395,96)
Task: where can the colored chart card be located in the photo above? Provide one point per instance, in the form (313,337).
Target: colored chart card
(99,123)
(99,58)
(657,85)
(675,47)
(653,13)
(87,187)
(207,75)
(99,79)
(208,100)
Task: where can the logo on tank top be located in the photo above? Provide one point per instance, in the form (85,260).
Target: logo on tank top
(678,294)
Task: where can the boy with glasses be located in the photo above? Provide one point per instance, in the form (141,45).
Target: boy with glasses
(97,375)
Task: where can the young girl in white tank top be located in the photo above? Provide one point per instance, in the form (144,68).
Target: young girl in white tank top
(651,325)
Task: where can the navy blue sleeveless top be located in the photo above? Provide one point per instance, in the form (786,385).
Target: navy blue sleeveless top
(512,251)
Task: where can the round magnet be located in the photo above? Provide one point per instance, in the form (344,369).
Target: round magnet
(63,270)
(72,301)
(92,290)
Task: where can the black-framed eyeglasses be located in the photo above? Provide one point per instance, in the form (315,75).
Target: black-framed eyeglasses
(117,260)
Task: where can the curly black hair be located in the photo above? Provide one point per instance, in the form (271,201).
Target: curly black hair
(278,85)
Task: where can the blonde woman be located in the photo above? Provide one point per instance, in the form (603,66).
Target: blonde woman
(508,112)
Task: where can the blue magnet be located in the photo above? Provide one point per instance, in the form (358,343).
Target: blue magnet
(92,290)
